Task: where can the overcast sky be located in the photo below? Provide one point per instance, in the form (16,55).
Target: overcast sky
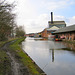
(35,14)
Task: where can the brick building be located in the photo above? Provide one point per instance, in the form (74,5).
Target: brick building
(67,33)
(48,31)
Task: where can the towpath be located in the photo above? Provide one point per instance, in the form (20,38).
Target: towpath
(17,67)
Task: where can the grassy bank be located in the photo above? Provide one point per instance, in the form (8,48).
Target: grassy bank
(5,63)
(24,58)
(4,42)
(5,66)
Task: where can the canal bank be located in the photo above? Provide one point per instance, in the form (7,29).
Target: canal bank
(5,65)
(19,62)
(25,59)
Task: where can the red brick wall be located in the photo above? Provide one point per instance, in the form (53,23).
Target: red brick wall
(68,36)
(45,33)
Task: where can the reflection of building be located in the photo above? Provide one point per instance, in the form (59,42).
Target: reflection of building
(67,33)
(70,46)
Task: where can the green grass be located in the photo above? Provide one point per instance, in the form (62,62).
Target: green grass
(2,43)
(4,63)
(23,57)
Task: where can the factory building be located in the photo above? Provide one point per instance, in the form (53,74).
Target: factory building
(53,26)
(67,33)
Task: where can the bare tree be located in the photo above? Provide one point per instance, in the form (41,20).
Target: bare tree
(7,19)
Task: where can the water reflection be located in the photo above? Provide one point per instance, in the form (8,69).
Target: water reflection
(70,46)
(50,56)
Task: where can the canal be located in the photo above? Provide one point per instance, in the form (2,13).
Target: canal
(52,57)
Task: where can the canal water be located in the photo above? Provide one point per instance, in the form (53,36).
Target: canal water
(52,57)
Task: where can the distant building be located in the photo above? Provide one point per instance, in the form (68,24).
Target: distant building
(29,35)
(52,29)
(44,33)
(48,31)
(59,24)
(53,26)
(67,33)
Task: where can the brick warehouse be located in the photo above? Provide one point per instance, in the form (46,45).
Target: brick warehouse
(67,33)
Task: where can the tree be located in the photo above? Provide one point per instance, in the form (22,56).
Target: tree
(20,31)
(7,18)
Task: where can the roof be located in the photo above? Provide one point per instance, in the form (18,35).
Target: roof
(52,28)
(56,22)
(66,29)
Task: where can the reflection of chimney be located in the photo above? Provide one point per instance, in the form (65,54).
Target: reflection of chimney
(51,17)
(52,55)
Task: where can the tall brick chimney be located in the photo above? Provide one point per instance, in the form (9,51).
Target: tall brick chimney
(51,17)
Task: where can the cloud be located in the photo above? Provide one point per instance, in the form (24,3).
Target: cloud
(55,5)
(58,18)
(38,24)
(71,21)
(25,10)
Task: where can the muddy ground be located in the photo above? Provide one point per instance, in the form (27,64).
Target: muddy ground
(16,67)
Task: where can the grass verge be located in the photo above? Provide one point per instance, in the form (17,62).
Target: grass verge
(24,58)
(4,63)
(4,42)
